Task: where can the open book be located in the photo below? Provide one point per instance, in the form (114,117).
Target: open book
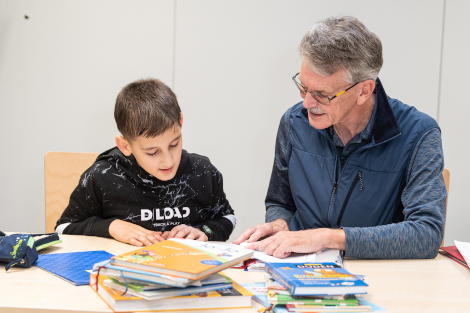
(325,255)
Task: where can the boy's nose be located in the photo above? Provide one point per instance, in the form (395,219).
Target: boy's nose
(167,160)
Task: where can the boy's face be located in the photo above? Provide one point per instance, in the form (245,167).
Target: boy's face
(159,156)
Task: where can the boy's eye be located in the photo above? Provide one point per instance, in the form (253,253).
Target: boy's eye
(175,145)
(152,154)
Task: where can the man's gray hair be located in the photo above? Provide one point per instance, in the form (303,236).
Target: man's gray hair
(338,43)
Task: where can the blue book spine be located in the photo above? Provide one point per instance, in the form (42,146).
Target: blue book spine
(279,277)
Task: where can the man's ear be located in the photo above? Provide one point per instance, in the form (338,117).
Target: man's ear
(123,145)
(368,88)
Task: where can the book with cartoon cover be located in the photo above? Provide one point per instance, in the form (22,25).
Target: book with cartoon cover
(316,278)
(185,258)
(236,297)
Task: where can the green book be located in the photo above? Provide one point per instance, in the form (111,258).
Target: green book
(350,300)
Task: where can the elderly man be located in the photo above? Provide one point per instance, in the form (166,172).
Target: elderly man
(354,169)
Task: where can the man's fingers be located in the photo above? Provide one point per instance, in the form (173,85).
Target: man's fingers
(270,247)
(282,251)
(246,234)
(252,246)
(259,233)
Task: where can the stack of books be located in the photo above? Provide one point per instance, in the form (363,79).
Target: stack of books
(175,274)
(314,287)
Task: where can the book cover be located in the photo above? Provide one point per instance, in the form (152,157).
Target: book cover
(310,300)
(185,258)
(73,267)
(272,284)
(453,253)
(326,308)
(163,293)
(107,269)
(236,297)
(315,278)
(260,295)
(363,306)
(138,285)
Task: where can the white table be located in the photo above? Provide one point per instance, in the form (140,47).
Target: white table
(437,285)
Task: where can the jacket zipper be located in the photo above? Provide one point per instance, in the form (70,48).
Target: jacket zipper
(333,193)
(346,200)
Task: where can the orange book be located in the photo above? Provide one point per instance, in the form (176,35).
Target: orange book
(184,257)
(236,297)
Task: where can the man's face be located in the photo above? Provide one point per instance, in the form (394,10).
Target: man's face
(323,116)
(159,156)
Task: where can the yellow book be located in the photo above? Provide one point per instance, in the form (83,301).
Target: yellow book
(183,257)
(236,297)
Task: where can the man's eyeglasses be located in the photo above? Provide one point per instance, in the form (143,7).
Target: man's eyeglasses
(317,97)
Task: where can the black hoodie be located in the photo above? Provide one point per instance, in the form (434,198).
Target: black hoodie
(116,187)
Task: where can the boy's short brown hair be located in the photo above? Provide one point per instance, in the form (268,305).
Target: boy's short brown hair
(146,107)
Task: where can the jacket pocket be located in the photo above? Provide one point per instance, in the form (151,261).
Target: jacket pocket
(348,195)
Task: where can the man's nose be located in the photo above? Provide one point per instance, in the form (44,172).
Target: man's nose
(309,101)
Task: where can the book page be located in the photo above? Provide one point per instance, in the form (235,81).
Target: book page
(464,249)
(326,255)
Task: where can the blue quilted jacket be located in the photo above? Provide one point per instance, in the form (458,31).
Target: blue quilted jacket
(310,189)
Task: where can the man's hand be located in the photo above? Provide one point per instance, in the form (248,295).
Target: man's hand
(185,231)
(262,230)
(283,243)
(133,234)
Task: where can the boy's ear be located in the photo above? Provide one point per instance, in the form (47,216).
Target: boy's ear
(181,120)
(123,145)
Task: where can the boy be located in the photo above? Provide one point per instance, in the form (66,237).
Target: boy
(148,189)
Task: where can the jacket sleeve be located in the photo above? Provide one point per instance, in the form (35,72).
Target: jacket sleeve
(222,221)
(424,200)
(83,215)
(279,202)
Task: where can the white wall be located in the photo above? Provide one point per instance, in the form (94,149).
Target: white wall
(454,113)
(230,64)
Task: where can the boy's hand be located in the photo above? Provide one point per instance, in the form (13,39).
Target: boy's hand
(133,234)
(185,231)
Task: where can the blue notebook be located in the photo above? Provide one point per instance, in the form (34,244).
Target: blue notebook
(74,267)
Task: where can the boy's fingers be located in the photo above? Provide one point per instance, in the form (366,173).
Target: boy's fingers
(135,242)
(191,235)
(182,233)
(203,237)
(153,238)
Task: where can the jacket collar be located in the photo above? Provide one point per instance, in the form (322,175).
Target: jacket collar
(386,126)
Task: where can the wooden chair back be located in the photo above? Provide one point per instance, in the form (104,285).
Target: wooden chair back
(446,175)
(62,171)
